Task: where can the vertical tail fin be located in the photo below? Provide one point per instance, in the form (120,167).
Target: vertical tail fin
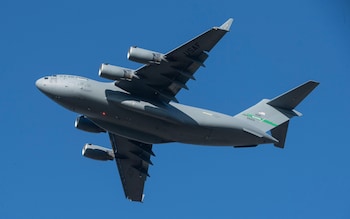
(274,115)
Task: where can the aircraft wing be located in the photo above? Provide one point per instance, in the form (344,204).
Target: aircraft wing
(133,159)
(165,79)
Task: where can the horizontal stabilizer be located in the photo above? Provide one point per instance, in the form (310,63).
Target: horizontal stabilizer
(274,115)
(280,133)
(292,98)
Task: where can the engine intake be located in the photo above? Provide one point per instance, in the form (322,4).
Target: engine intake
(113,72)
(97,152)
(87,125)
(145,56)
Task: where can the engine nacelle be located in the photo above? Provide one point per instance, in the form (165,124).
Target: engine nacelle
(97,152)
(87,125)
(113,72)
(145,56)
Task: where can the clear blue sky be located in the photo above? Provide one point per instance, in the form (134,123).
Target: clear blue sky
(272,47)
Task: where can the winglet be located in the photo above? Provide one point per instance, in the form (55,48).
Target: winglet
(226,26)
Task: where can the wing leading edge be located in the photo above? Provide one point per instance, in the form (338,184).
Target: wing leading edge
(165,79)
(133,159)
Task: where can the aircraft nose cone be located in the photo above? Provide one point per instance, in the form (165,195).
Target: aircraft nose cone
(41,84)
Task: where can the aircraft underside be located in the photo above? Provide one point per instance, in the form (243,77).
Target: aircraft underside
(139,109)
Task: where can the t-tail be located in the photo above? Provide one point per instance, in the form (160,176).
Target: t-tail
(274,115)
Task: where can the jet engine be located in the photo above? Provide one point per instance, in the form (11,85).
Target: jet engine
(115,72)
(87,125)
(145,56)
(97,152)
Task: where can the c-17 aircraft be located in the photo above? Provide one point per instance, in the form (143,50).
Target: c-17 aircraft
(139,109)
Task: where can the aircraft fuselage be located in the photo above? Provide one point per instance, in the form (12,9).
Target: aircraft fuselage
(123,114)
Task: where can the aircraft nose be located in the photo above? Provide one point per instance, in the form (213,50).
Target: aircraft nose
(41,84)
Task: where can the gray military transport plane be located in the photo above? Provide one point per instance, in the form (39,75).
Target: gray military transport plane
(139,109)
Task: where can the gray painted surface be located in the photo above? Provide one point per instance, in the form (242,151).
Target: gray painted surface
(140,109)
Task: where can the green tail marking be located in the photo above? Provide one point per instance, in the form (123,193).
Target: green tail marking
(254,117)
